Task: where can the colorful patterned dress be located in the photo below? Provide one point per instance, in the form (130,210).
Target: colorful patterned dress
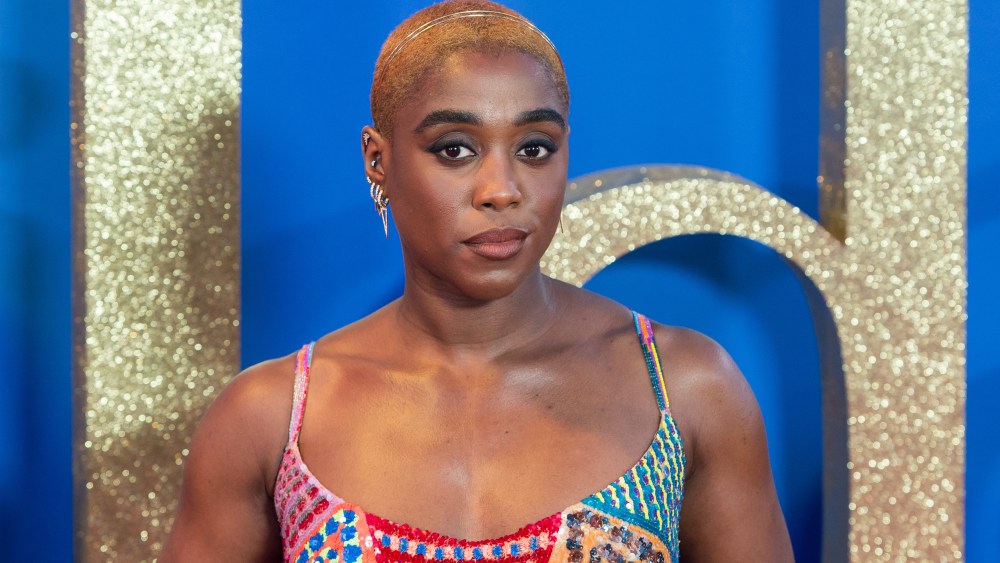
(635,518)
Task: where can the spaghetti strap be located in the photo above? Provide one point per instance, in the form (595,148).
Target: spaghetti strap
(644,329)
(302,363)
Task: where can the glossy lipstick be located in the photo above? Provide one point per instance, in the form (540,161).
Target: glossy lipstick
(497,244)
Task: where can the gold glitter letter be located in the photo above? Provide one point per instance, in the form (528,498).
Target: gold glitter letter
(886,269)
(156,280)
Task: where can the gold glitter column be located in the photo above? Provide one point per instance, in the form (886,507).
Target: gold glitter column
(156,90)
(886,268)
(904,353)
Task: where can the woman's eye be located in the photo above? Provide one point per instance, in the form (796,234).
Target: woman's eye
(535,151)
(456,152)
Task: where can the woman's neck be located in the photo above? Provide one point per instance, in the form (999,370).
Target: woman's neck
(457,326)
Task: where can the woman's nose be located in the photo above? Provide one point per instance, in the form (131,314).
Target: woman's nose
(496,184)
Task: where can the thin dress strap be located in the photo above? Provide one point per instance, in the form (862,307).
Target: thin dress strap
(644,329)
(302,363)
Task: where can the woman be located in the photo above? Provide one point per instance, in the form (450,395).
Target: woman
(490,412)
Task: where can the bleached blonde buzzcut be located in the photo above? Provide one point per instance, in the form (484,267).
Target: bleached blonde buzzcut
(422,42)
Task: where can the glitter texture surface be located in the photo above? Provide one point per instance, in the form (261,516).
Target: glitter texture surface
(887,266)
(156,90)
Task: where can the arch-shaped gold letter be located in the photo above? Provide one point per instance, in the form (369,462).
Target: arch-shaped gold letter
(888,262)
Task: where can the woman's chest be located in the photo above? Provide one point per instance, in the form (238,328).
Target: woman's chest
(478,463)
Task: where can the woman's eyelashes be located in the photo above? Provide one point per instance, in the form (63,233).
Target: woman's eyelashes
(537,149)
(452,150)
(456,152)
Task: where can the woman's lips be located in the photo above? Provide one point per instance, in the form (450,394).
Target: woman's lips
(497,244)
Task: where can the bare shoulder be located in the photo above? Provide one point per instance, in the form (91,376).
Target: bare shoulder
(254,388)
(728,472)
(251,415)
(697,369)
(709,396)
(697,362)
(225,508)
(259,398)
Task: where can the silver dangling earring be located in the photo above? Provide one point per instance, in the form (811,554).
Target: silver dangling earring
(381,206)
(381,202)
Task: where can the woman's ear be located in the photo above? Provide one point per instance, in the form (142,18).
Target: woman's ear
(373,149)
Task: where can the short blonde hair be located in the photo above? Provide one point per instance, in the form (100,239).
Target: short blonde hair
(397,74)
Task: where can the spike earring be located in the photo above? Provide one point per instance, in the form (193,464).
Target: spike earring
(365,137)
(381,202)
(375,190)
(381,206)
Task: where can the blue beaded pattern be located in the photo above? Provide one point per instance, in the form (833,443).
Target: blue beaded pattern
(337,540)
(651,493)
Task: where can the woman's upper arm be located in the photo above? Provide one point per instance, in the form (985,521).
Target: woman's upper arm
(225,511)
(730,510)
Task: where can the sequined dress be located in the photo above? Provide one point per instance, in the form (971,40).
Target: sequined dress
(635,518)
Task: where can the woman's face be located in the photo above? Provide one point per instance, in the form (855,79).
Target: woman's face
(476,173)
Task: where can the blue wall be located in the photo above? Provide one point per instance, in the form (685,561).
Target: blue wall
(731,85)
(983,443)
(35,439)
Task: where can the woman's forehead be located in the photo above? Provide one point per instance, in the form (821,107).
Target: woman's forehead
(491,87)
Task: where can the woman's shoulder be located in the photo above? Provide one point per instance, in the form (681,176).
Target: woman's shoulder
(706,389)
(251,414)
(261,391)
(727,470)
(693,354)
(688,353)
(710,398)
(696,364)
(230,470)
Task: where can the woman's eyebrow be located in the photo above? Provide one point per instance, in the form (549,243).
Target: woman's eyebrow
(442,116)
(541,114)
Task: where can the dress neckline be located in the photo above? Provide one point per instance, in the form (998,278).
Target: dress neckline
(293,449)
(667,427)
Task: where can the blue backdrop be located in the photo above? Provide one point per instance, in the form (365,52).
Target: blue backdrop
(727,84)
